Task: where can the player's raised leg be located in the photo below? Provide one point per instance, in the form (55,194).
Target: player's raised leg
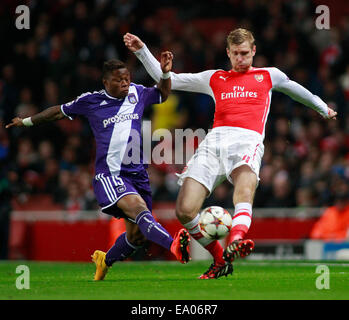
(136,209)
(245,182)
(189,202)
(125,245)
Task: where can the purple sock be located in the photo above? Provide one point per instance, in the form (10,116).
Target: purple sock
(153,230)
(120,250)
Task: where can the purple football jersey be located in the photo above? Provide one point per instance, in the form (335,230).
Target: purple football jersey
(116,125)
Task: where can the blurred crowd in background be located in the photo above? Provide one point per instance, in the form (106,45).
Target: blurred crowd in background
(306,161)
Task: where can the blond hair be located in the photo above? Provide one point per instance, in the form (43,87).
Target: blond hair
(239,36)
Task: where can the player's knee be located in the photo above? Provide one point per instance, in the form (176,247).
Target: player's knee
(134,206)
(185,210)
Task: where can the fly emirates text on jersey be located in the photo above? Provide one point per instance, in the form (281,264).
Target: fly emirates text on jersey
(238,92)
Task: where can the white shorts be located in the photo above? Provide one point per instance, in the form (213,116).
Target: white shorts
(223,150)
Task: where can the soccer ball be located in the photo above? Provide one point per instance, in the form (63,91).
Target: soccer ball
(215,222)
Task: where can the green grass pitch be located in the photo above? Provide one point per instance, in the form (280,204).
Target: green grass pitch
(257,280)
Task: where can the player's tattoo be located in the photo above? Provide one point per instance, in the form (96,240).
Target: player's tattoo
(49,114)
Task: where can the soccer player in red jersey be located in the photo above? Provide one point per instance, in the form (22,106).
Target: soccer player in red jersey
(234,148)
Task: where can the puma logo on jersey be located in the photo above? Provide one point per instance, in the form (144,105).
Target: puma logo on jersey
(224,78)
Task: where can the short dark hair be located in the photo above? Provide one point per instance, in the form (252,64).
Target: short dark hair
(111,65)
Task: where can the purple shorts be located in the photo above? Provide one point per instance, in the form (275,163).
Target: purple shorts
(110,189)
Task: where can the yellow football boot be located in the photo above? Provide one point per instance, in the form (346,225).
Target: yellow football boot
(98,258)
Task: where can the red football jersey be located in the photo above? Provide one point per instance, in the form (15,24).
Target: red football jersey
(242,99)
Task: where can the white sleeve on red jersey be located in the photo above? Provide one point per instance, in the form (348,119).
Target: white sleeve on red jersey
(192,82)
(297,92)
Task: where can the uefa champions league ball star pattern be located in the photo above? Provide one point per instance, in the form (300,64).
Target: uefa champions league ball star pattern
(215,222)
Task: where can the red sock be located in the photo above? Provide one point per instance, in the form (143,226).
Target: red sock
(241,221)
(216,250)
(238,232)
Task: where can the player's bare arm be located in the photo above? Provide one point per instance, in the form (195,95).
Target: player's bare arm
(164,84)
(47,115)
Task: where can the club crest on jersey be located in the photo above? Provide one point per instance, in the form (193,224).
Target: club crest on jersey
(121,189)
(132,98)
(258,77)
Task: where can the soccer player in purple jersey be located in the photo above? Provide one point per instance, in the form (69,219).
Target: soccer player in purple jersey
(121,187)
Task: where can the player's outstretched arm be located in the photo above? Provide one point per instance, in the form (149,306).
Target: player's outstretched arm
(47,115)
(300,94)
(191,82)
(138,47)
(164,84)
